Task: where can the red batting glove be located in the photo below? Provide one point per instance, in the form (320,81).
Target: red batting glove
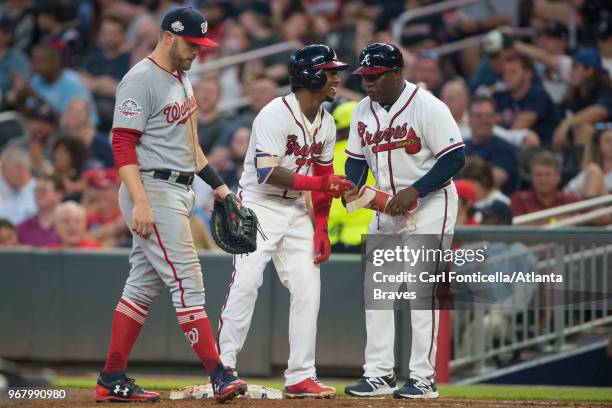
(334,185)
(322,246)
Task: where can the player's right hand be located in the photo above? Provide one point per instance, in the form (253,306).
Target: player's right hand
(142,219)
(335,185)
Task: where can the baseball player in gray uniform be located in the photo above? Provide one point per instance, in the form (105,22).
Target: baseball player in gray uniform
(156,149)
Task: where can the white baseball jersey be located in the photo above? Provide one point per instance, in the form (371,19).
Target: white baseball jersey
(280,132)
(402,145)
(160,105)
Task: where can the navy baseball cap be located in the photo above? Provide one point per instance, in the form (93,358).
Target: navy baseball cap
(589,57)
(498,210)
(377,58)
(189,23)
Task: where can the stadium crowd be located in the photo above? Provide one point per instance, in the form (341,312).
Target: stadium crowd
(536,115)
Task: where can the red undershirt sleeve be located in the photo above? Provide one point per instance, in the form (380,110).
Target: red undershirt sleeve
(124,146)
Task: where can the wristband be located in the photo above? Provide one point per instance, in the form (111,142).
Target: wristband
(211,177)
(310,183)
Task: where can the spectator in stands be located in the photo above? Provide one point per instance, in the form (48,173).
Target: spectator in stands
(145,36)
(8,235)
(24,17)
(103,68)
(299,26)
(588,101)
(39,230)
(455,95)
(69,156)
(497,47)
(51,83)
(544,193)
(105,224)
(480,173)
(256,18)
(604,43)
(232,78)
(595,179)
(479,18)
(427,69)
(210,121)
(76,124)
(42,124)
(525,104)
(16,168)
(71,226)
(417,34)
(552,63)
(11,59)
(220,158)
(238,149)
(260,92)
(485,144)
(56,21)
(466,192)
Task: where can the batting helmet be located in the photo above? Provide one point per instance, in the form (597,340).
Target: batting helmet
(377,58)
(307,66)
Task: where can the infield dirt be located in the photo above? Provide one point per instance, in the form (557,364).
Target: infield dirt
(84,398)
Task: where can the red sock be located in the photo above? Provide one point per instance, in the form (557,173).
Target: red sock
(194,323)
(127,322)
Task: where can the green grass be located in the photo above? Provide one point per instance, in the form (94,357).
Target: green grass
(450,391)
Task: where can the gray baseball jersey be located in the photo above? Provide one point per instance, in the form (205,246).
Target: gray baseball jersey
(161,106)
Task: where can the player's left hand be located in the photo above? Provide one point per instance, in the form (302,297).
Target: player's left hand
(404,200)
(322,246)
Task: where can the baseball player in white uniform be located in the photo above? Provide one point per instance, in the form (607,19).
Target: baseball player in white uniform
(156,149)
(290,152)
(409,140)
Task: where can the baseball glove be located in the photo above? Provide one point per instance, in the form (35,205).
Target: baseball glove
(234,228)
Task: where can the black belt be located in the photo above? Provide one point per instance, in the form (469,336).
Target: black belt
(181,178)
(444,185)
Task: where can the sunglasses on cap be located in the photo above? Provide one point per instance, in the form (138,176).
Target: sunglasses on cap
(603,126)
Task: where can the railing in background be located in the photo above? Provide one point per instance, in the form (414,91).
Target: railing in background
(565,209)
(246,57)
(483,339)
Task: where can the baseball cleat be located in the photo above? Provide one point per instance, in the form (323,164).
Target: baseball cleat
(372,386)
(226,386)
(309,388)
(122,389)
(416,389)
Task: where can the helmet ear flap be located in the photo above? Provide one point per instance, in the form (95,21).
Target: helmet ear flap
(314,79)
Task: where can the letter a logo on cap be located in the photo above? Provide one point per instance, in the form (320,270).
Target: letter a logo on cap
(366,60)
(204,26)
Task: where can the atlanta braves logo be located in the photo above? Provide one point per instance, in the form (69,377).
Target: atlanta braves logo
(193,336)
(305,154)
(366,60)
(180,112)
(394,137)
